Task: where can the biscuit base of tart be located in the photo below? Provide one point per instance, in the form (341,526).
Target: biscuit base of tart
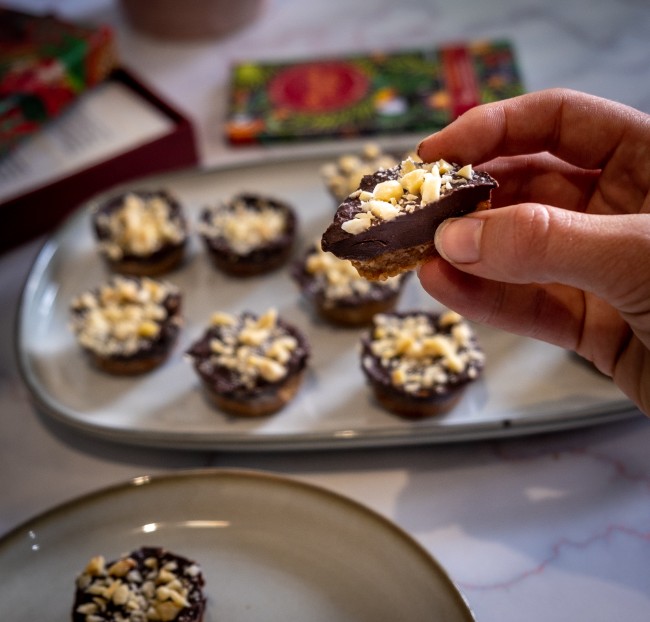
(261,404)
(163,261)
(394,262)
(128,366)
(414,408)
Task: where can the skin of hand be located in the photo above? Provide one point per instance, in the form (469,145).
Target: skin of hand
(564,255)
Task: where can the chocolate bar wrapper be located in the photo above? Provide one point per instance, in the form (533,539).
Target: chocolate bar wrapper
(380,93)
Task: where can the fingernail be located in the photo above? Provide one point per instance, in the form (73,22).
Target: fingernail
(458,240)
(426,138)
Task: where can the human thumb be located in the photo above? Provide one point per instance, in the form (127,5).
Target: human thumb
(534,243)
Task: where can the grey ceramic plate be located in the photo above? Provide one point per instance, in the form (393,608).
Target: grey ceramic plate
(527,386)
(271,549)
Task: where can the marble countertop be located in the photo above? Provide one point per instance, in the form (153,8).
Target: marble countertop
(546,527)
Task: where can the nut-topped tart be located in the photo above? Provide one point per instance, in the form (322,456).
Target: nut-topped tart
(250,365)
(127,325)
(388,224)
(343,176)
(249,234)
(338,293)
(150,584)
(142,233)
(419,363)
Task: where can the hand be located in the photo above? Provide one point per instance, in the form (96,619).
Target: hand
(566,257)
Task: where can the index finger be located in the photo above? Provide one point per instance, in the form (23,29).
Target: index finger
(581,129)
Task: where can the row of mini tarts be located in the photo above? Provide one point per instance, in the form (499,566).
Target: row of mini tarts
(145,233)
(252,365)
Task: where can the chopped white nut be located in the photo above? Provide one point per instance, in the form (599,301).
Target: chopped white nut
(387,190)
(431,185)
(412,181)
(356,225)
(219,318)
(383,210)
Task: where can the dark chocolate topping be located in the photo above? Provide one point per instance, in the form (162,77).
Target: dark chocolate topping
(228,381)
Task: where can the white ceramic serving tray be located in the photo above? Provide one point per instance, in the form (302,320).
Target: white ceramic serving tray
(527,386)
(270,548)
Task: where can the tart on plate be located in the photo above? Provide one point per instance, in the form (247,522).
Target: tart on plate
(418,363)
(127,325)
(250,365)
(249,234)
(142,233)
(338,293)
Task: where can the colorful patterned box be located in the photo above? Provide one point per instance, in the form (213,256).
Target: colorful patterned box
(379,93)
(45,63)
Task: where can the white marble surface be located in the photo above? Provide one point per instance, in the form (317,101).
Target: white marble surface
(553,527)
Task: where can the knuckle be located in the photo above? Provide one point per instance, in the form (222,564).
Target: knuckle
(532,235)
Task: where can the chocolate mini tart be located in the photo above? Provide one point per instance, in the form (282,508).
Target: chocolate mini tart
(142,233)
(338,293)
(250,366)
(149,584)
(418,364)
(128,325)
(248,235)
(343,176)
(387,226)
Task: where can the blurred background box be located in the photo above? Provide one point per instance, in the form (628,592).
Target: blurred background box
(115,132)
(45,64)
